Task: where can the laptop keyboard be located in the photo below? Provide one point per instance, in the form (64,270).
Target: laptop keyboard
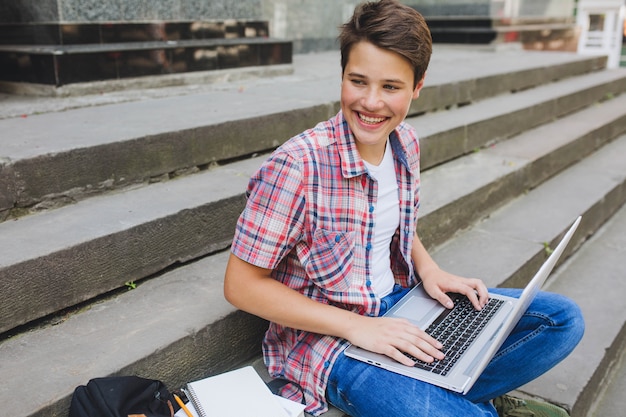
(456,331)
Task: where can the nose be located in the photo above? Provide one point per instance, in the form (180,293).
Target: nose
(372,99)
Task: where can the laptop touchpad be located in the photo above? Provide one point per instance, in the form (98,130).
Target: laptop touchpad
(419,309)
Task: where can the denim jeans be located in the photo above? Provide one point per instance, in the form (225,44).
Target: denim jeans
(548,331)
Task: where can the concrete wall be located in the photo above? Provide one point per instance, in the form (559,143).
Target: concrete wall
(311,24)
(80,11)
(26,11)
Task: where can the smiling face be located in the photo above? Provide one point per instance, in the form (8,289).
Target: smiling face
(376,93)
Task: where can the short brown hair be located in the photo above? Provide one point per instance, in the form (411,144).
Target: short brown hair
(389,25)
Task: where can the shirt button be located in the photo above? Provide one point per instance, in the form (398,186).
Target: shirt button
(337,238)
(326,364)
(368,283)
(372,208)
(368,246)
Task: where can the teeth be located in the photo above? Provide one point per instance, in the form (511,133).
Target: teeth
(372,120)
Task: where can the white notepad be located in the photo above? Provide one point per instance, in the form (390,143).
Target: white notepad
(292,408)
(238,393)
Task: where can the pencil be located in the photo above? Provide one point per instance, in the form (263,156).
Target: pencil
(182,405)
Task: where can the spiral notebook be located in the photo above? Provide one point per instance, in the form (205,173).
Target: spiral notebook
(238,393)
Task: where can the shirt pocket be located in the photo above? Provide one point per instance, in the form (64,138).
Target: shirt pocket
(330,260)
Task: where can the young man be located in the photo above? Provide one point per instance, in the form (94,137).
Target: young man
(327,243)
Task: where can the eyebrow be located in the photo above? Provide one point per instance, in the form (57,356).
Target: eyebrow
(390,80)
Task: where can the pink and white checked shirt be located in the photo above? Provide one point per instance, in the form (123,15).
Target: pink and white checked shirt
(310,218)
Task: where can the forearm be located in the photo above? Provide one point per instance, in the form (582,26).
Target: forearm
(424,264)
(253,290)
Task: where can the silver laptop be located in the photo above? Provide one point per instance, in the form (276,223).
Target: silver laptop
(470,348)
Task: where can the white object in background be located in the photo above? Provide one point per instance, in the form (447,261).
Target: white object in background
(606,37)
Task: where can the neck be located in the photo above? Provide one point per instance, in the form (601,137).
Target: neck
(373,154)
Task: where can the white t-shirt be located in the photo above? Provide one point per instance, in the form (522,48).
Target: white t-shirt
(386,222)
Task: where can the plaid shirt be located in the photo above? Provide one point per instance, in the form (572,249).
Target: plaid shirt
(310,218)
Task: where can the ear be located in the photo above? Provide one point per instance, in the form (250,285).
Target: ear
(418,88)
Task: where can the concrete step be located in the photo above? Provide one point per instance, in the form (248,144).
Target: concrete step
(115,32)
(103,242)
(85,252)
(47,160)
(178,327)
(611,402)
(519,231)
(486,178)
(514,236)
(594,276)
(51,66)
(79,252)
(42,58)
(444,137)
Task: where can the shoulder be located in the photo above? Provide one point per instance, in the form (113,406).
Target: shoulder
(407,134)
(319,136)
(296,159)
(409,144)
(310,144)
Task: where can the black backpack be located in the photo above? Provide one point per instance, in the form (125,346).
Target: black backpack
(124,396)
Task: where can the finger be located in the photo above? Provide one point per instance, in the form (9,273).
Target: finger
(398,356)
(483,293)
(473,297)
(412,334)
(423,346)
(409,354)
(431,342)
(475,291)
(396,352)
(425,351)
(479,294)
(443,298)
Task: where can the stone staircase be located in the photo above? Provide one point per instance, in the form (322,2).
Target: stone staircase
(117,217)
(70,58)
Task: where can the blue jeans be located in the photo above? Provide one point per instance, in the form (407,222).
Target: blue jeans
(546,334)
